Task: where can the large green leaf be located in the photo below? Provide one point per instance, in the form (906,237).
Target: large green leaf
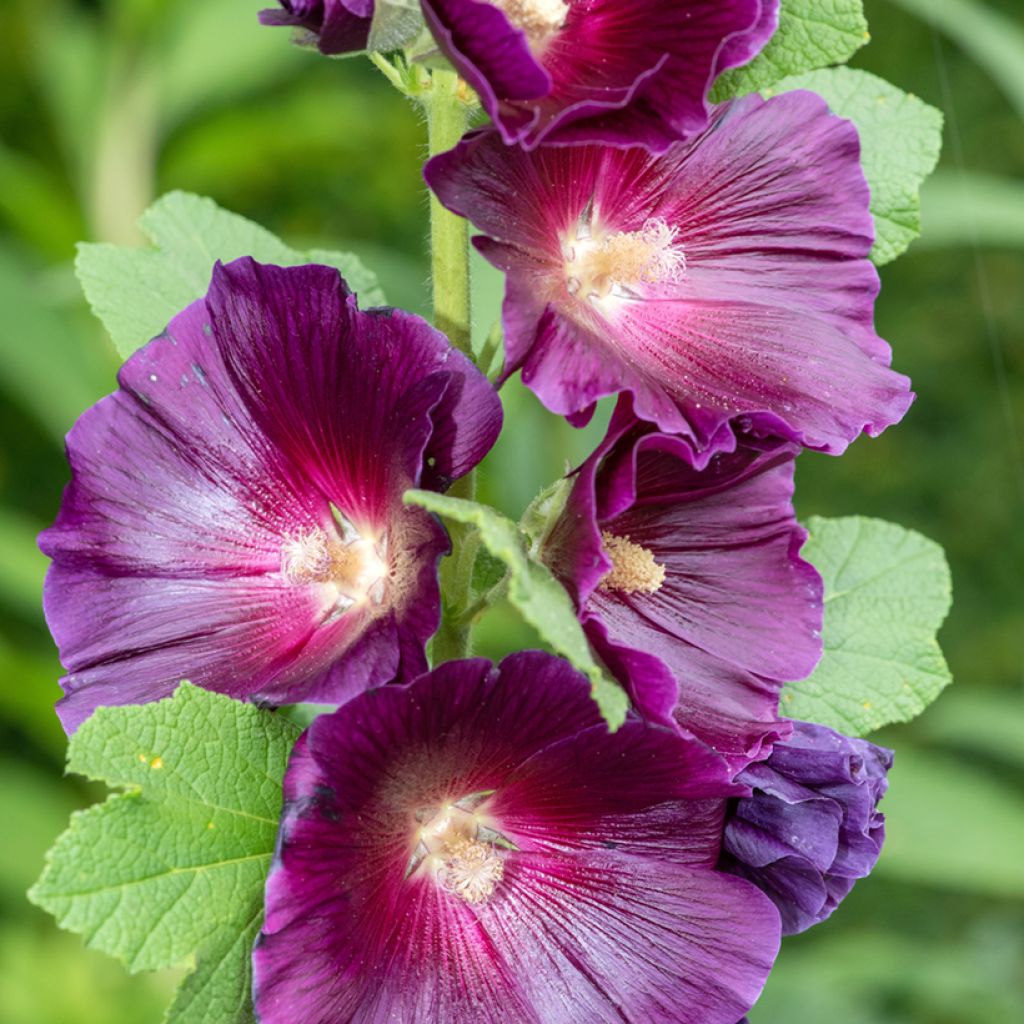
(887,591)
(541,600)
(135,292)
(900,138)
(170,872)
(811,34)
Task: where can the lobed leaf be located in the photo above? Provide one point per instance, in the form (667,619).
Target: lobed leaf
(887,591)
(811,34)
(541,600)
(171,871)
(136,292)
(900,138)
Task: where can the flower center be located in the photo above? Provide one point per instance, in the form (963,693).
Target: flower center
(633,570)
(537,18)
(459,850)
(353,564)
(596,264)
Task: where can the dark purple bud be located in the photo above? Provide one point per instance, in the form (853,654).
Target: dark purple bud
(812,826)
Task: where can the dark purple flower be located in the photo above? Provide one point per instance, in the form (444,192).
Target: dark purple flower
(335,26)
(235,511)
(687,575)
(476,847)
(811,827)
(620,72)
(728,277)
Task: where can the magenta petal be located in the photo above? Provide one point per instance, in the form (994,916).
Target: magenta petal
(215,499)
(737,612)
(572,927)
(609,71)
(727,278)
(591,842)
(337,26)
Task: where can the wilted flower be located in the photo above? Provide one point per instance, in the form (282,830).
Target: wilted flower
(335,26)
(687,576)
(812,826)
(235,511)
(727,278)
(476,847)
(624,72)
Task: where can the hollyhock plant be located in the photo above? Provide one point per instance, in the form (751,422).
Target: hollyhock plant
(235,511)
(688,580)
(335,26)
(476,846)
(812,826)
(620,72)
(728,278)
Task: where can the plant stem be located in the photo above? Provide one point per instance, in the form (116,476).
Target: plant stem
(447,120)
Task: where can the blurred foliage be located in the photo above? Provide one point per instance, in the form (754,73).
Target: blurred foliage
(105,104)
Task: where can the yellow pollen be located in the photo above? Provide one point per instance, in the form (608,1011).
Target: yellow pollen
(633,570)
(353,564)
(459,850)
(648,256)
(471,870)
(537,18)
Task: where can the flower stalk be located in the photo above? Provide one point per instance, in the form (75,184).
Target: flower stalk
(447,114)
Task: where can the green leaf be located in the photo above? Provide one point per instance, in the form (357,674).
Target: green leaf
(887,591)
(395,23)
(136,292)
(951,825)
(811,34)
(541,600)
(900,138)
(170,872)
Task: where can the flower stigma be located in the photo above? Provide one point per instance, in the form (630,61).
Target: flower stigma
(352,564)
(597,265)
(459,850)
(537,18)
(634,569)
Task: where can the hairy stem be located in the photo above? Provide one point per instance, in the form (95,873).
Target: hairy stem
(447,119)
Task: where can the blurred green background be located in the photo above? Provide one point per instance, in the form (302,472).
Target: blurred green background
(104,104)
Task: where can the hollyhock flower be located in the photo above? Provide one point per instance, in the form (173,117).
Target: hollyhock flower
(335,26)
(235,511)
(621,72)
(812,826)
(476,847)
(727,278)
(688,580)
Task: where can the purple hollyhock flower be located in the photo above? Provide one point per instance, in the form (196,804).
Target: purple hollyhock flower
(620,72)
(727,278)
(476,847)
(235,511)
(334,26)
(812,826)
(688,579)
